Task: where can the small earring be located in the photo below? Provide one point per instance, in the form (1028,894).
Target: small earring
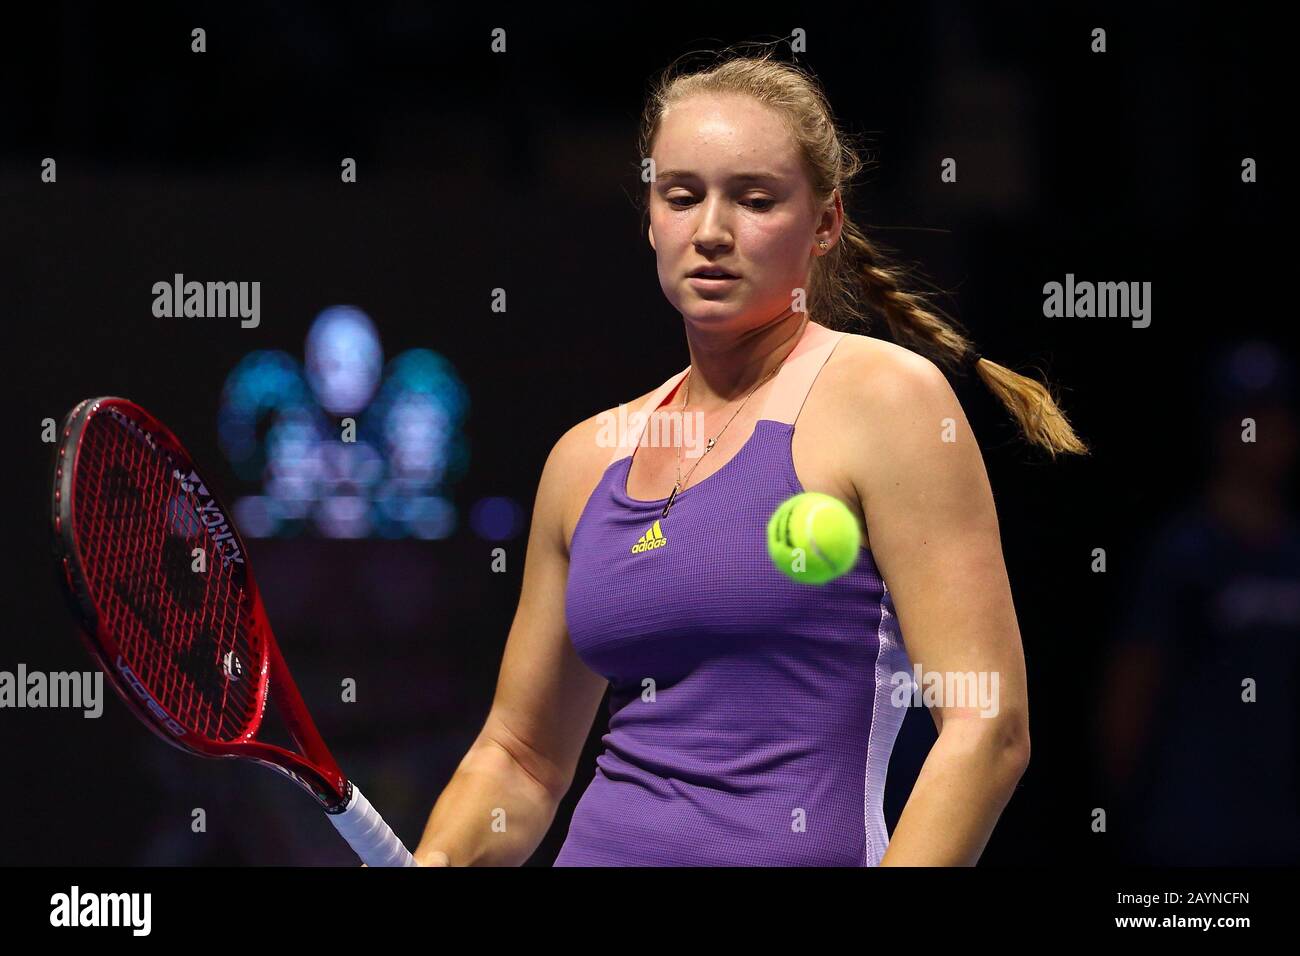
(822,243)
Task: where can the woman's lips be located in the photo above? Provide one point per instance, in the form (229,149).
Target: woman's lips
(711,282)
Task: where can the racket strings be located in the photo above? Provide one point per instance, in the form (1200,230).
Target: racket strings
(187,635)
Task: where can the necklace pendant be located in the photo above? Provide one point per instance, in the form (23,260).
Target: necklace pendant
(671,498)
(709,447)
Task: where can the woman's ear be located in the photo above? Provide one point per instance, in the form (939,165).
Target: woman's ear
(650,231)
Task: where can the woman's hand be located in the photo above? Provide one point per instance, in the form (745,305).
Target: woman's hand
(431,858)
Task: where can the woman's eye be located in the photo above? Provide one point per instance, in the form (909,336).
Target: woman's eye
(761,205)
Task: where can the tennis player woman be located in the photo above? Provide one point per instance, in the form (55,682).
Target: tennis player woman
(752,717)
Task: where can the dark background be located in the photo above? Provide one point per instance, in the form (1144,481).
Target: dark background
(479,171)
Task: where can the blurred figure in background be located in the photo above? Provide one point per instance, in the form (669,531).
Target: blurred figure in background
(1199,773)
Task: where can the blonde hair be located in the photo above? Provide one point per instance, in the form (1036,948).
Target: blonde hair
(857,273)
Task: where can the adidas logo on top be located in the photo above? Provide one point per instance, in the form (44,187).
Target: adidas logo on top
(654,538)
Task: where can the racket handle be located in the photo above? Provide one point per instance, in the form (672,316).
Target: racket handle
(369,836)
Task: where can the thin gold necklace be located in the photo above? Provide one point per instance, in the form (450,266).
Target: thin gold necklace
(678,485)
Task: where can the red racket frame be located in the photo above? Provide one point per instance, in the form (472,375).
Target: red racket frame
(315,769)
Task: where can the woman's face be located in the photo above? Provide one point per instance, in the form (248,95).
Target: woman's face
(730,193)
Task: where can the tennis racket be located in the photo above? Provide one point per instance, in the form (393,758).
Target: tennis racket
(190,651)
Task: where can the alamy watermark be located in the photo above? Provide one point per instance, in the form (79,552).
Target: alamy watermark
(1098,300)
(80,690)
(208,300)
(133,911)
(954,690)
(666,428)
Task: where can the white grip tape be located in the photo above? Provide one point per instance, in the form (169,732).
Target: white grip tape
(367,833)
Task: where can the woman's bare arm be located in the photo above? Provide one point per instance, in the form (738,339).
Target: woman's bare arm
(934,533)
(502,798)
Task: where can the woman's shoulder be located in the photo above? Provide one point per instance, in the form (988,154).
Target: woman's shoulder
(582,455)
(898,418)
(865,369)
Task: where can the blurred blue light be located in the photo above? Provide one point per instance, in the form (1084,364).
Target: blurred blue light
(345,516)
(496,519)
(431,518)
(254,516)
(262,386)
(344,359)
(279,425)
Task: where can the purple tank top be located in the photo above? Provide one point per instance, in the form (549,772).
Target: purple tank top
(750,716)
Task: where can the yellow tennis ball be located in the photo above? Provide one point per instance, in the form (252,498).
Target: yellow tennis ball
(813,538)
